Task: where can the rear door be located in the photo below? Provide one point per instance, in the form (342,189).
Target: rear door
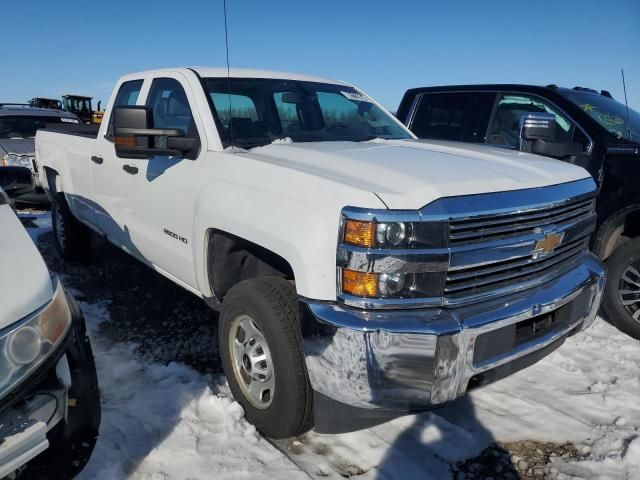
(107,179)
(453,116)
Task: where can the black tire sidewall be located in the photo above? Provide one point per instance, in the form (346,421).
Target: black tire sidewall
(77,235)
(56,211)
(627,254)
(285,415)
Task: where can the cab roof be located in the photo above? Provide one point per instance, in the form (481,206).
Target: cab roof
(241,73)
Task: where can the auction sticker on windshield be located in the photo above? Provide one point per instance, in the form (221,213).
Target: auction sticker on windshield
(68,120)
(358,97)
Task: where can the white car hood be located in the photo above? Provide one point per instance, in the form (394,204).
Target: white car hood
(25,284)
(408,174)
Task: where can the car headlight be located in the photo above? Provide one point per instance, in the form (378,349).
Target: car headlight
(390,258)
(26,345)
(13,160)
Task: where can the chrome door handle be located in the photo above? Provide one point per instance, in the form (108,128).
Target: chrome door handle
(97,159)
(130,169)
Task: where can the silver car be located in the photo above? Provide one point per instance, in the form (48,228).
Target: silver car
(18,126)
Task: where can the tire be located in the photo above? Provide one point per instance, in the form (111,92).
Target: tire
(623,275)
(284,406)
(71,237)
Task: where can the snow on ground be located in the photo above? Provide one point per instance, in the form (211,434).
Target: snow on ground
(171,422)
(168,422)
(586,392)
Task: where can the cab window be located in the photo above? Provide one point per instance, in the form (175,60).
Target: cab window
(170,106)
(127,96)
(459,117)
(504,128)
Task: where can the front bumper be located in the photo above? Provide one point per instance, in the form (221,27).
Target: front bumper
(24,427)
(411,360)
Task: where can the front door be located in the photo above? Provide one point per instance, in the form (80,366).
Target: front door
(162,190)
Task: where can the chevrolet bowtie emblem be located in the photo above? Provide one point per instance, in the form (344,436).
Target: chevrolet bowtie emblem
(546,245)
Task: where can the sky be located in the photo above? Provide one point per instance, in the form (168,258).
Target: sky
(384,48)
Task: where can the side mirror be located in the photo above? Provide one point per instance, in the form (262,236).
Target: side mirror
(135,137)
(538,134)
(16,180)
(537,126)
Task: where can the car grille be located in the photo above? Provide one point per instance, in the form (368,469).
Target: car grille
(482,229)
(524,271)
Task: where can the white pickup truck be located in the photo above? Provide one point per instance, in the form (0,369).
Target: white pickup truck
(360,273)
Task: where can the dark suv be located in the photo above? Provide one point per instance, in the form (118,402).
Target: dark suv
(591,129)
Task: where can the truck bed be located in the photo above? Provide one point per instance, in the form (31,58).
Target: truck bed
(67,151)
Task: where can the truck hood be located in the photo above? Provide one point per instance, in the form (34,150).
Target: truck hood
(20,146)
(409,174)
(25,284)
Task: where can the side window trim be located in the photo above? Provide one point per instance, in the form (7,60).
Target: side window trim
(544,99)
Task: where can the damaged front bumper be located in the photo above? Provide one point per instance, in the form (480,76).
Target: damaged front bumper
(410,360)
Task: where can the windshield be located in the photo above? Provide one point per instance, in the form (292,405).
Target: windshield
(260,111)
(22,126)
(609,113)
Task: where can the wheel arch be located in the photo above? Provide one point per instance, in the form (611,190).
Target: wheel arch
(617,228)
(230,259)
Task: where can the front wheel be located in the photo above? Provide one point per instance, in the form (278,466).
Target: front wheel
(260,346)
(622,294)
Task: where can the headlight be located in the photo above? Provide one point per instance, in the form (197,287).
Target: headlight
(391,258)
(23,347)
(13,160)
(384,234)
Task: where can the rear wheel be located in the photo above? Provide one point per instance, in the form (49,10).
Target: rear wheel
(622,293)
(71,237)
(260,346)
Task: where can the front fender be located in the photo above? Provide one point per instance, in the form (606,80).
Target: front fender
(293,214)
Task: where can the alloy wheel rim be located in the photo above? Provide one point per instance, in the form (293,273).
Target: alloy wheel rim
(252,362)
(629,290)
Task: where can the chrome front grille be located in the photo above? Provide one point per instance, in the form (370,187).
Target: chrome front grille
(497,227)
(497,251)
(518,272)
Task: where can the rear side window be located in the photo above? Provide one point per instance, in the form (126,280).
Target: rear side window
(127,96)
(452,116)
(170,106)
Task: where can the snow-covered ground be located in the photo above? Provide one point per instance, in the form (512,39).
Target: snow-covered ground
(171,422)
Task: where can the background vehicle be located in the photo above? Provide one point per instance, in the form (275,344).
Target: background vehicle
(360,273)
(591,130)
(49,398)
(42,102)
(81,106)
(18,126)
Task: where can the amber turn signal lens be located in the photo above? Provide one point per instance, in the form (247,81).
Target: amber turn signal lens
(359,233)
(362,284)
(128,141)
